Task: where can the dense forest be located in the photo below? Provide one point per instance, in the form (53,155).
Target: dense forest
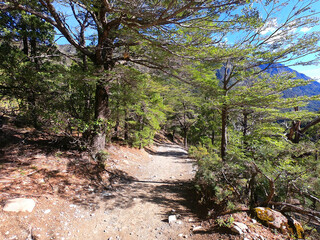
(206,72)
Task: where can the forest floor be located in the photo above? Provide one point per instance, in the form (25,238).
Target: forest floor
(75,199)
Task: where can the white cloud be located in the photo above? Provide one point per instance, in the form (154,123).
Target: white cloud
(305,29)
(269,27)
(267,30)
(313,73)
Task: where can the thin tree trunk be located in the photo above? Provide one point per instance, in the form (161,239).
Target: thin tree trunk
(212,137)
(116,129)
(34,115)
(173,134)
(245,127)
(185,139)
(126,126)
(34,50)
(223,148)
(25,45)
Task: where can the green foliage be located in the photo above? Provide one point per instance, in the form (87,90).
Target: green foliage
(225,223)
(244,177)
(137,106)
(224,103)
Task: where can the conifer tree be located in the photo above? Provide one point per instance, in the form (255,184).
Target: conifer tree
(142,32)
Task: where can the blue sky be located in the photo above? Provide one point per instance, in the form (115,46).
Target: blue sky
(312,71)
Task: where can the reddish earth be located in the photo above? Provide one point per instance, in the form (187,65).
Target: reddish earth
(131,198)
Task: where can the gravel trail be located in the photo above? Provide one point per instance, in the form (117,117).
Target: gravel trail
(139,208)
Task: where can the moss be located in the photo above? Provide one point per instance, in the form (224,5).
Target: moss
(295,228)
(299,229)
(262,214)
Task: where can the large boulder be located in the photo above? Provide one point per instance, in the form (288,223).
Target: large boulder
(19,205)
(278,221)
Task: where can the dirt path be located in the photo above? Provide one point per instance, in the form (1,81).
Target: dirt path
(74,200)
(140,209)
(147,188)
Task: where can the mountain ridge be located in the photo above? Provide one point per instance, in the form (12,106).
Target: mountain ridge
(310,89)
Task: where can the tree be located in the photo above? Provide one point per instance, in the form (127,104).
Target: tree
(260,47)
(144,32)
(25,73)
(184,103)
(137,106)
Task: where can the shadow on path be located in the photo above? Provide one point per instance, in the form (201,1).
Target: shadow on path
(167,195)
(84,182)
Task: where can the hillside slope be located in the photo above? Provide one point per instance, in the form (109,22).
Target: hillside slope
(311,89)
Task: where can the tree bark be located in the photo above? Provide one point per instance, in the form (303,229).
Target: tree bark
(245,127)
(212,137)
(223,148)
(102,113)
(185,137)
(126,125)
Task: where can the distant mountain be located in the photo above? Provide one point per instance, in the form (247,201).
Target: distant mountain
(311,89)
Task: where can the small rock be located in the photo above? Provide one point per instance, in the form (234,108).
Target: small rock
(41,180)
(242,226)
(236,229)
(106,194)
(196,228)
(19,205)
(239,228)
(254,221)
(179,222)
(180,235)
(7,232)
(172,218)
(46,211)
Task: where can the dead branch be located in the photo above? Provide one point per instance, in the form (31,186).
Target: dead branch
(293,208)
(306,194)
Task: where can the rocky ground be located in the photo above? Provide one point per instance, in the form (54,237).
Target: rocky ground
(142,194)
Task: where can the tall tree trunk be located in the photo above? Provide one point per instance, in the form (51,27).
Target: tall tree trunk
(116,129)
(185,137)
(212,137)
(126,125)
(223,148)
(34,114)
(102,113)
(34,50)
(25,45)
(245,127)
(173,134)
